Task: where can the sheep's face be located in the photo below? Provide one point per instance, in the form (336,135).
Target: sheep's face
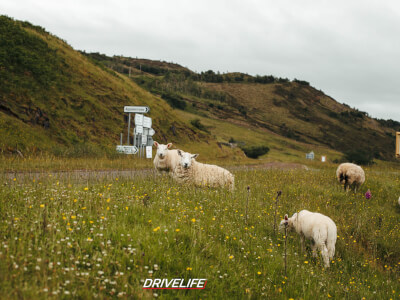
(343,178)
(186,158)
(162,150)
(289,223)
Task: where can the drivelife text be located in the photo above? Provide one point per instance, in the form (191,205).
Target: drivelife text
(176,283)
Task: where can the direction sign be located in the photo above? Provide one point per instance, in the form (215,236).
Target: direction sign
(149,151)
(136,109)
(144,139)
(127,149)
(139,129)
(138,119)
(147,122)
(151,132)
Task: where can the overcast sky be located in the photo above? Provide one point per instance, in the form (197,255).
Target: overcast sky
(348,49)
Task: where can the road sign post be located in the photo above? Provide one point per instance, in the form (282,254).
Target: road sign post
(142,132)
(137,109)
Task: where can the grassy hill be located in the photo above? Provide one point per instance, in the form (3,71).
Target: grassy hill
(274,106)
(53,99)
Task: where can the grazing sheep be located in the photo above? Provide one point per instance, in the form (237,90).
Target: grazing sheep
(165,160)
(320,229)
(349,175)
(199,174)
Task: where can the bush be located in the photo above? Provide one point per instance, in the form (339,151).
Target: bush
(174,100)
(255,151)
(360,157)
(196,123)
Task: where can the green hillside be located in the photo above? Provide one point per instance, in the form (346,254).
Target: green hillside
(53,99)
(291,109)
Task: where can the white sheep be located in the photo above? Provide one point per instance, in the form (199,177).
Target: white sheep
(320,229)
(349,175)
(199,174)
(165,160)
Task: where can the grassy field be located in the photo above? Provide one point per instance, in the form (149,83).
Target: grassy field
(63,237)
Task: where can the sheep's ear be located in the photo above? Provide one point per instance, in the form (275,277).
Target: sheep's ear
(286,220)
(169,145)
(179,152)
(155,144)
(194,155)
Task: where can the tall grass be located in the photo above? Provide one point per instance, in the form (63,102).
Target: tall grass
(101,237)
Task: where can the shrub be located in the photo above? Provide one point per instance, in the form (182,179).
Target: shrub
(255,151)
(360,157)
(174,100)
(197,123)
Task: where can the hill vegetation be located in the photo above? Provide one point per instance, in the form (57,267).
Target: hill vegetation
(293,109)
(56,100)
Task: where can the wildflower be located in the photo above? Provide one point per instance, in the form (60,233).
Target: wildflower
(84,207)
(86,188)
(306,262)
(73,217)
(41,205)
(156,229)
(126,207)
(89,239)
(177,230)
(193,220)
(231,257)
(188,269)
(368,195)
(259,273)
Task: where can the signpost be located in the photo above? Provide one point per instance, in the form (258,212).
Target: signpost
(137,109)
(142,133)
(127,149)
(147,122)
(149,152)
(139,119)
(398,144)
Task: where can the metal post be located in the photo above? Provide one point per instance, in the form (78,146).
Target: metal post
(129,127)
(121,139)
(140,144)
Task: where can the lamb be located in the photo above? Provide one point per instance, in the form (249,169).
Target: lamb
(199,174)
(349,175)
(320,229)
(165,160)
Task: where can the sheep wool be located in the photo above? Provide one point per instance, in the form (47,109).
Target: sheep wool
(350,175)
(165,160)
(318,228)
(193,172)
